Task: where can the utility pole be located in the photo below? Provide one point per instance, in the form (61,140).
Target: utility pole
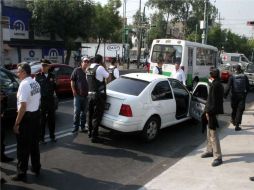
(139,35)
(205,25)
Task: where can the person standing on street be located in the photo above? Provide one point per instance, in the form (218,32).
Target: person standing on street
(79,88)
(158,69)
(26,123)
(179,73)
(96,76)
(213,107)
(47,83)
(239,86)
(113,71)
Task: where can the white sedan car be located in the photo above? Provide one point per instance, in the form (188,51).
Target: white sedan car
(147,103)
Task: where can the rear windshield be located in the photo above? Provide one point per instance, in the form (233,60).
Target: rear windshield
(127,86)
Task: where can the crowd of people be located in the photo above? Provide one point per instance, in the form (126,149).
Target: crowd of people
(35,100)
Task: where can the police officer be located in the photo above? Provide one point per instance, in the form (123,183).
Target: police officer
(96,75)
(239,86)
(47,82)
(26,124)
(158,69)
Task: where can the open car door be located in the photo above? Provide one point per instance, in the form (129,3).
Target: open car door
(198,100)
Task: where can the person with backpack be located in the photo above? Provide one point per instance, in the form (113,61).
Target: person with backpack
(158,68)
(96,78)
(113,71)
(239,86)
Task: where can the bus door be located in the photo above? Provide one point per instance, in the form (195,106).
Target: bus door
(189,72)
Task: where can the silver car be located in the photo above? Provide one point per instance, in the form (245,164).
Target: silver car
(249,72)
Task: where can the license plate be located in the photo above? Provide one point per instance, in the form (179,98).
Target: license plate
(107,105)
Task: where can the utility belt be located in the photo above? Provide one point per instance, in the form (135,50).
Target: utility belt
(30,114)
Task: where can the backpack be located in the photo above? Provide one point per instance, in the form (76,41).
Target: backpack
(111,74)
(239,83)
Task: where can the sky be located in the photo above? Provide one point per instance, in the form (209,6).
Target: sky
(234,14)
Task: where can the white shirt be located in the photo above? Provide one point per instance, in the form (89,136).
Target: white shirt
(155,70)
(116,71)
(29,91)
(180,75)
(100,72)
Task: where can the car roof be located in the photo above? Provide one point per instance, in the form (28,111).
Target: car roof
(149,77)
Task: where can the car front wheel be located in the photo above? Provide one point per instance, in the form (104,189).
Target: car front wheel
(151,129)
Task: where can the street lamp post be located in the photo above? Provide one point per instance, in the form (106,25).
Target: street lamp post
(205,25)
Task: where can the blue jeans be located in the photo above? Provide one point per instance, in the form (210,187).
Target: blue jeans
(80,109)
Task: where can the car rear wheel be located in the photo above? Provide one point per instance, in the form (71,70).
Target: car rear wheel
(151,129)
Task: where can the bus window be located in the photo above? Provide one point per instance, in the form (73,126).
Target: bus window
(168,52)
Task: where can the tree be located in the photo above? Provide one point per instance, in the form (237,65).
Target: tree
(106,22)
(68,19)
(158,24)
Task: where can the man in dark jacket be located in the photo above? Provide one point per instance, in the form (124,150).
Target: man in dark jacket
(47,83)
(239,86)
(213,107)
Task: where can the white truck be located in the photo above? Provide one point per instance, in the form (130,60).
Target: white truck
(234,58)
(107,50)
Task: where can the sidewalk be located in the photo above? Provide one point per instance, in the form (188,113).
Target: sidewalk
(196,173)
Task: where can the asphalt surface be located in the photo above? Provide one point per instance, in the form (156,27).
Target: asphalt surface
(119,162)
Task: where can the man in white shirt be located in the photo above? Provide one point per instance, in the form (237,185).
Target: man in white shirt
(113,71)
(27,123)
(179,74)
(96,76)
(158,69)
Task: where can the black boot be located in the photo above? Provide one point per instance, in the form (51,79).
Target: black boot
(20,177)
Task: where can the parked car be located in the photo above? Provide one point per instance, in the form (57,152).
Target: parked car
(249,72)
(9,86)
(62,73)
(146,103)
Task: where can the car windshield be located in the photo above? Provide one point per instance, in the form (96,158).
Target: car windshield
(127,86)
(250,68)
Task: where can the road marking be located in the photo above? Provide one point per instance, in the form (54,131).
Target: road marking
(60,134)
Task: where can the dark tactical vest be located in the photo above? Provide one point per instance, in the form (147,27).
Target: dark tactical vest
(239,83)
(95,85)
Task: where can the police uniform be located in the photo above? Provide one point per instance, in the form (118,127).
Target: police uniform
(239,86)
(48,85)
(28,137)
(96,75)
(113,72)
(157,70)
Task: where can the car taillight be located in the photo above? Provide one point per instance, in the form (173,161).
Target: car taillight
(125,110)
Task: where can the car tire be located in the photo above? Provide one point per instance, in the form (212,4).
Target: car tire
(151,129)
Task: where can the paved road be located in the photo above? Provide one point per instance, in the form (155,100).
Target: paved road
(120,162)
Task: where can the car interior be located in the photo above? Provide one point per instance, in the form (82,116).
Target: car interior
(181,97)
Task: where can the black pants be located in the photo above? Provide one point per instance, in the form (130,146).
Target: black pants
(96,110)
(238,106)
(47,116)
(2,138)
(28,142)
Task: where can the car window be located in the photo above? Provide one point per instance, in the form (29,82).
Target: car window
(250,68)
(8,81)
(162,91)
(201,92)
(178,87)
(127,86)
(63,71)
